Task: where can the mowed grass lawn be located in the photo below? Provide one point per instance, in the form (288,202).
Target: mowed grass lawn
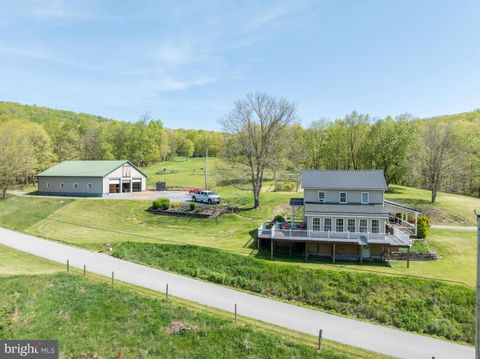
(94,223)
(93,320)
(449,208)
(14,262)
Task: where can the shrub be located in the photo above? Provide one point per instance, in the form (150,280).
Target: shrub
(279,218)
(192,206)
(198,210)
(175,205)
(423,226)
(161,203)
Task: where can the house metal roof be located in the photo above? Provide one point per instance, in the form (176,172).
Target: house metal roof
(343,179)
(85,168)
(401,206)
(371,210)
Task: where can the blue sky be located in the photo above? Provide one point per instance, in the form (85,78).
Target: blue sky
(187,61)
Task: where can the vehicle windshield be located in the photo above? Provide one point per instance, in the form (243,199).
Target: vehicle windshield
(210,193)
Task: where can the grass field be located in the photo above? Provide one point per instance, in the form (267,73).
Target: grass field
(448,208)
(92,319)
(94,223)
(424,306)
(13,262)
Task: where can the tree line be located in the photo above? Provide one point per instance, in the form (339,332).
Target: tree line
(437,154)
(261,133)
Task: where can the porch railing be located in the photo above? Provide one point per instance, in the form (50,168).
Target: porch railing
(304,233)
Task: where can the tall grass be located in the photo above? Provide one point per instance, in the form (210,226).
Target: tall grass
(424,306)
(96,321)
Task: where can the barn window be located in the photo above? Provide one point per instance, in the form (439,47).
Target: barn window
(48,184)
(75,185)
(62,185)
(126,171)
(90,186)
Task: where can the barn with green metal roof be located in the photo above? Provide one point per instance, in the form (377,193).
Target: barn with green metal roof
(91,179)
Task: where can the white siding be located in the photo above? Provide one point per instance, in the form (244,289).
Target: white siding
(118,174)
(311,195)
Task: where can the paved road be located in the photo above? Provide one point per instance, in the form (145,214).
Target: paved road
(445,226)
(357,333)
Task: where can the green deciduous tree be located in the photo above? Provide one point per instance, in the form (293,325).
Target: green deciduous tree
(17,152)
(256,124)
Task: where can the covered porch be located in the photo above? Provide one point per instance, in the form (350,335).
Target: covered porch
(402,217)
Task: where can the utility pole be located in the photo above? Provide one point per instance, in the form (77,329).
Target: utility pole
(206,170)
(477,304)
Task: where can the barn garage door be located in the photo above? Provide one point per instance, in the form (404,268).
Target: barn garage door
(137,185)
(114,186)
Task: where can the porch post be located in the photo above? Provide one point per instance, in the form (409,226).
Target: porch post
(306,252)
(408,257)
(293,215)
(271,249)
(333,253)
(361,254)
(416,218)
(388,254)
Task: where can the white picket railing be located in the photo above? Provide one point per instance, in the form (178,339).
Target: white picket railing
(304,233)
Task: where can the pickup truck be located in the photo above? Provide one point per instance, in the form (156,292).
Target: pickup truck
(204,196)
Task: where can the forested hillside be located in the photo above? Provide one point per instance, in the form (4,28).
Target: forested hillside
(440,153)
(84,136)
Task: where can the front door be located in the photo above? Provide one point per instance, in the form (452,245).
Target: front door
(365,252)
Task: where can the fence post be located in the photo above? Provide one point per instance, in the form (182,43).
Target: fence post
(68,265)
(112,278)
(235,312)
(320,335)
(84,270)
(166,292)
